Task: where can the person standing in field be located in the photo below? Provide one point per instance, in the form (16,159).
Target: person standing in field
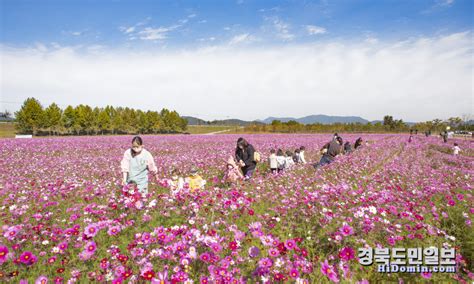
(273,162)
(244,155)
(136,164)
(456,149)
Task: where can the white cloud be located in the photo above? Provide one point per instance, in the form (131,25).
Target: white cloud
(282,29)
(207,39)
(127,30)
(315,30)
(242,38)
(445,2)
(438,6)
(416,79)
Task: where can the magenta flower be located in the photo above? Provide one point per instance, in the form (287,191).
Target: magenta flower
(273,252)
(347,230)
(11,233)
(294,273)
(426,275)
(28,258)
(113,231)
(347,253)
(290,244)
(216,247)
(41,280)
(205,257)
(328,270)
(265,262)
(91,230)
(91,247)
(3,253)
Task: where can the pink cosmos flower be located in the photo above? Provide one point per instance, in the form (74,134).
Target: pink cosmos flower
(347,230)
(28,258)
(113,231)
(41,280)
(91,230)
(328,270)
(3,253)
(91,247)
(290,244)
(347,253)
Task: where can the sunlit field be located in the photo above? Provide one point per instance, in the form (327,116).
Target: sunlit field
(64,215)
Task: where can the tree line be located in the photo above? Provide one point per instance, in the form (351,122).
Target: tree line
(389,124)
(33,118)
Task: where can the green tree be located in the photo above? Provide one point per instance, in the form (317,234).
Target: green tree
(30,117)
(69,120)
(53,118)
(103,121)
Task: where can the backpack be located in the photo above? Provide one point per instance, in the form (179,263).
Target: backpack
(256,156)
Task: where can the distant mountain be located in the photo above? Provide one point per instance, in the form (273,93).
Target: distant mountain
(310,119)
(194,120)
(320,118)
(269,120)
(6,119)
(237,122)
(233,122)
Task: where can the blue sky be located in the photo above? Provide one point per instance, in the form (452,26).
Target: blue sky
(187,23)
(412,59)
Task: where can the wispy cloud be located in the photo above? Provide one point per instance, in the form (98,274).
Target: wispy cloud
(280,28)
(438,5)
(315,30)
(150,33)
(160,33)
(416,79)
(242,38)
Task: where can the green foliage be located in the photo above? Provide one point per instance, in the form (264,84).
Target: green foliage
(30,117)
(83,119)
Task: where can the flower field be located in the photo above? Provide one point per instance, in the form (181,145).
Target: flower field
(64,217)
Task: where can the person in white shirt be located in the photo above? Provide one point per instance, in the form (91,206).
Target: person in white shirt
(456,149)
(301,157)
(273,162)
(289,160)
(280,160)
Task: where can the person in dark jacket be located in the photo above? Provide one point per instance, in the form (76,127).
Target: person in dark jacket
(358,143)
(347,148)
(334,148)
(244,155)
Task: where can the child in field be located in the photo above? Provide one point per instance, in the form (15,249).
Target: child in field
(302,158)
(176,183)
(136,164)
(280,160)
(456,149)
(289,160)
(195,181)
(232,173)
(273,162)
(296,156)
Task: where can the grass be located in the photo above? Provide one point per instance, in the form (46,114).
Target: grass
(203,129)
(7,130)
